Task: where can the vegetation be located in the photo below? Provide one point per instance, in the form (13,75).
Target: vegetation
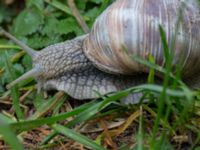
(31,120)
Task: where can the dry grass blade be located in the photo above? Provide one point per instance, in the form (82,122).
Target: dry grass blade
(129,121)
(164,124)
(23,97)
(108,138)
(78,17)
(43,112)
(92,127)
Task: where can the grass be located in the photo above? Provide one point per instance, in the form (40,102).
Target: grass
(167,121)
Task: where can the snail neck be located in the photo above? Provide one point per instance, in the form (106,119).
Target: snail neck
(57,60)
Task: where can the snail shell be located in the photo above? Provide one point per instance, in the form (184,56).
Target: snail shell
(131,28)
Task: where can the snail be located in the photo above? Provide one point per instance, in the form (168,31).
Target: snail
(99,63)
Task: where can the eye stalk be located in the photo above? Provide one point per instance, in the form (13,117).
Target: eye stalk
(32,73)
(36,71)
(26,48)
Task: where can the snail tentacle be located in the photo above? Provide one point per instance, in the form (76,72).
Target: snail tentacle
(26,48)
(32,73)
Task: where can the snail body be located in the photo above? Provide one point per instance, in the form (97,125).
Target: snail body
(100,62)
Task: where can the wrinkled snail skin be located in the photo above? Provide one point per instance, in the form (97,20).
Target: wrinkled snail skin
(100,62)
(66,68)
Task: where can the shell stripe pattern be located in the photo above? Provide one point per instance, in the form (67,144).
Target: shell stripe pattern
(130,28)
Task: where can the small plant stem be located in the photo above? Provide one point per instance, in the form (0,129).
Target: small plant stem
(77,15)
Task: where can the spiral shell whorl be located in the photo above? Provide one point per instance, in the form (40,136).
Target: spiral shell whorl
(130,27)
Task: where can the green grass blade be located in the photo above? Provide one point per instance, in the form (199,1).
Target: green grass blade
(46,106)
(164,96)
(140,135)
(151,75)
(10,47)
(158,69)
(14,91)
(159,89)
(9,137)
(167,54)
(31,124)
(77,137)
(85,115)
(5,119)
(59,6)
(81,117)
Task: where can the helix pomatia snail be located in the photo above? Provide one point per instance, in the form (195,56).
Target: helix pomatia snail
(98,61)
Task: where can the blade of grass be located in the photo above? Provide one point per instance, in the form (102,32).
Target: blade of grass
(47,106)
(140,135)
(6,119)
(83,116)
(14,90)
(78,16)
(59,6)
(17,56)
(60,103)
(9,136)
(151,75)
(157,68)
(30,124)
(163,123)
(77,137)
(158,89)
(163,97)
(10,47)
(187,107)
(194,129)
(142,88)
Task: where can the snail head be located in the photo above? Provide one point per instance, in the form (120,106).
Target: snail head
(53,60)
(36,71)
